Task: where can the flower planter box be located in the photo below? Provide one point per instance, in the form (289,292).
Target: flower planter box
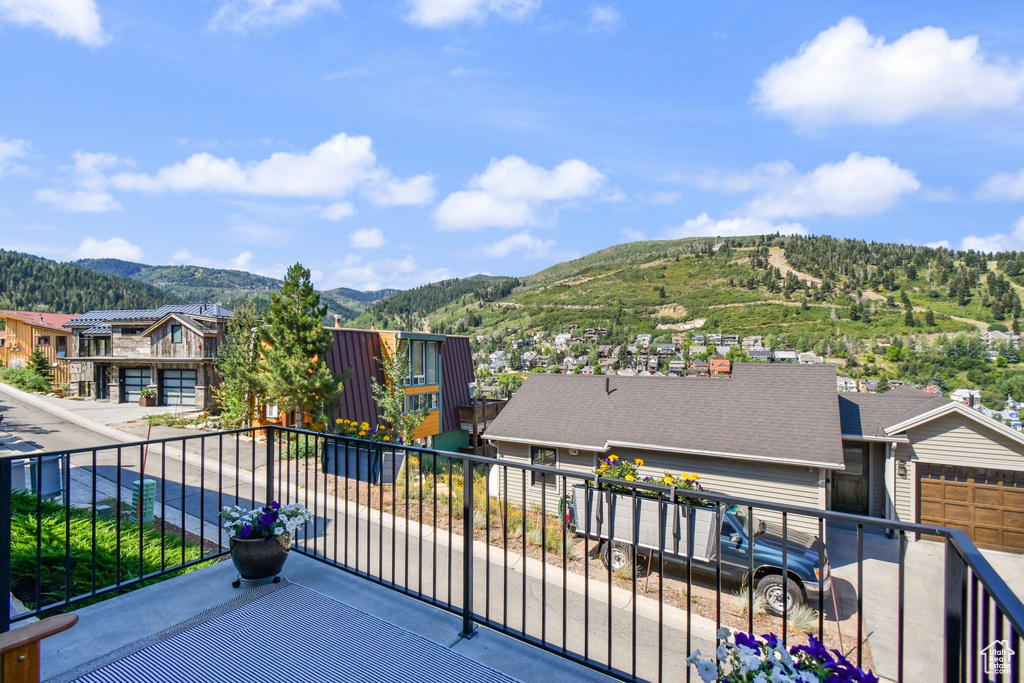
(365,461)
(147,401)
(612,516)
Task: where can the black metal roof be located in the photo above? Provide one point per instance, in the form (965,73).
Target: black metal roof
(101,318)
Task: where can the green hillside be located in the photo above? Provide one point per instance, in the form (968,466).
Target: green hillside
(804,289)
(32,283)
(227,287)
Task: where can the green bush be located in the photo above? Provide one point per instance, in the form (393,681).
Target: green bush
(50,526)
(25,379)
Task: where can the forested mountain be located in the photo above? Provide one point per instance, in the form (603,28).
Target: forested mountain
(32,283)
(408,308)
(228,287)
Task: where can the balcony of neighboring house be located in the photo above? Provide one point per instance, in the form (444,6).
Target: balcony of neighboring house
(408,573)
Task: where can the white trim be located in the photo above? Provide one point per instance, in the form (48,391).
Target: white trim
(885,439)
(951,407)
(915,491)
(889,479)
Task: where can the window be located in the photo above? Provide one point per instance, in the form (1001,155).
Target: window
(545,457)
(43,341)
(414,402)
(131,331)
(272,411)
(432,358)
(416,361)
(175,334)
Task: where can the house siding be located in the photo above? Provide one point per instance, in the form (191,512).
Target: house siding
(951,440)
(792,485)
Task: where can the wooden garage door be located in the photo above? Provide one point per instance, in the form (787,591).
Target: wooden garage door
(987,504)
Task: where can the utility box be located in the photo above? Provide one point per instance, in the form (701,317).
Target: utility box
(143,501)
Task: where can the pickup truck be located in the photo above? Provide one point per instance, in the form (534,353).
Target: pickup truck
(806,558)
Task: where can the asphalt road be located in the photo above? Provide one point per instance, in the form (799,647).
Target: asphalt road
(43,429)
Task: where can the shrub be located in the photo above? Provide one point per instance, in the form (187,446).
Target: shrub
(741,599)
(25,379)
(802,619)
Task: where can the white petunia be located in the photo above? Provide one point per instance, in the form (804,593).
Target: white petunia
(724,633)
(707,671)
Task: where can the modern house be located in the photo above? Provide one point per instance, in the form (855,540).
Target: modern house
(786,356)
(760,354)
(26,331)
(116,354)
(441,370)
(785,452)
(918,457)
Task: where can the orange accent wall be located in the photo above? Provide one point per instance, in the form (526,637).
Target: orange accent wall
(422,389)
(430,427)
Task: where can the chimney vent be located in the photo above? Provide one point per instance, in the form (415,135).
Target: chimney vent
(970,400)
(337,321)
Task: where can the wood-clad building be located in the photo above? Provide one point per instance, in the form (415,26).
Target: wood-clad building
(115,355)
(26,331)
(441,370)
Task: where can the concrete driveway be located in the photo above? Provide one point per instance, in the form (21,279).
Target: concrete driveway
(924,588)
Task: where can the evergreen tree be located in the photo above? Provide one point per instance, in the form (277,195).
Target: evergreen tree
(240,366)
(908,318)
(883,385)
(929,318)
(297,346)
(39,364)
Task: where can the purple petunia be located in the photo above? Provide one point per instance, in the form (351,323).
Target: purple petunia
(246,532)
(747,640)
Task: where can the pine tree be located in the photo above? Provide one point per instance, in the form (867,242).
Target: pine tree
(929,318)
(297,346)
(40,364)
(240,366)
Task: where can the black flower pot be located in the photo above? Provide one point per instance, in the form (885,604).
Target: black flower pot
(259,558)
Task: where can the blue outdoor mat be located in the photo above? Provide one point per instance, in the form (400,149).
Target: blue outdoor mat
(282,633)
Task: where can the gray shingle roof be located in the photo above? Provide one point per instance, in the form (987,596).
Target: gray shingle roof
(778,412)
(865,414)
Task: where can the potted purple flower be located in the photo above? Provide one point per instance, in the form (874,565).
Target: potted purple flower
(261,538)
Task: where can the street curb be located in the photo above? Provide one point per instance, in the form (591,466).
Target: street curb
(66,414)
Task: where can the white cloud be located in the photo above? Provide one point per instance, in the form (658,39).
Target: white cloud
(337,211)
(705,226)
(944,244)
(633,235)
(333,169)
(524,243)
(243,16)
(1004,186)
(76,19)
(435,13)
(361,274)
(665,197)
(367,238)
(10,150)
(115,247)
(78,201)
(846,75)
(857,186)
(243,261)
(604,18)
(512,193)
(997,241)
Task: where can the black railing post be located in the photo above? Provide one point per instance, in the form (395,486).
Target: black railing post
(5,541)
(955,631)
(468,629)
(271,437)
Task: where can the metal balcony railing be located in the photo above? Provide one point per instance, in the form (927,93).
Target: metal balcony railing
(471,535)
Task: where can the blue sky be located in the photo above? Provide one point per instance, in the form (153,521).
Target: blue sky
(397,142)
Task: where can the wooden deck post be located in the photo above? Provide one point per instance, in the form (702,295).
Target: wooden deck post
(19,649)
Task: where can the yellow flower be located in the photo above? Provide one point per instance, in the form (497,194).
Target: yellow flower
(613,457)
(629,477)
(669,481)
(387,438)
(639,462)
(694,477)
(362,433)
(338,421)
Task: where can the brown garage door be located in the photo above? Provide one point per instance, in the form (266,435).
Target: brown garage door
(987,504)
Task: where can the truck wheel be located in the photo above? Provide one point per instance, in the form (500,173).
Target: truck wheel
(618,556)
(770,588)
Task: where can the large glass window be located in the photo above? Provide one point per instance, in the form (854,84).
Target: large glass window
(416,361)
(432,358)
(542,456)
(175,334)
